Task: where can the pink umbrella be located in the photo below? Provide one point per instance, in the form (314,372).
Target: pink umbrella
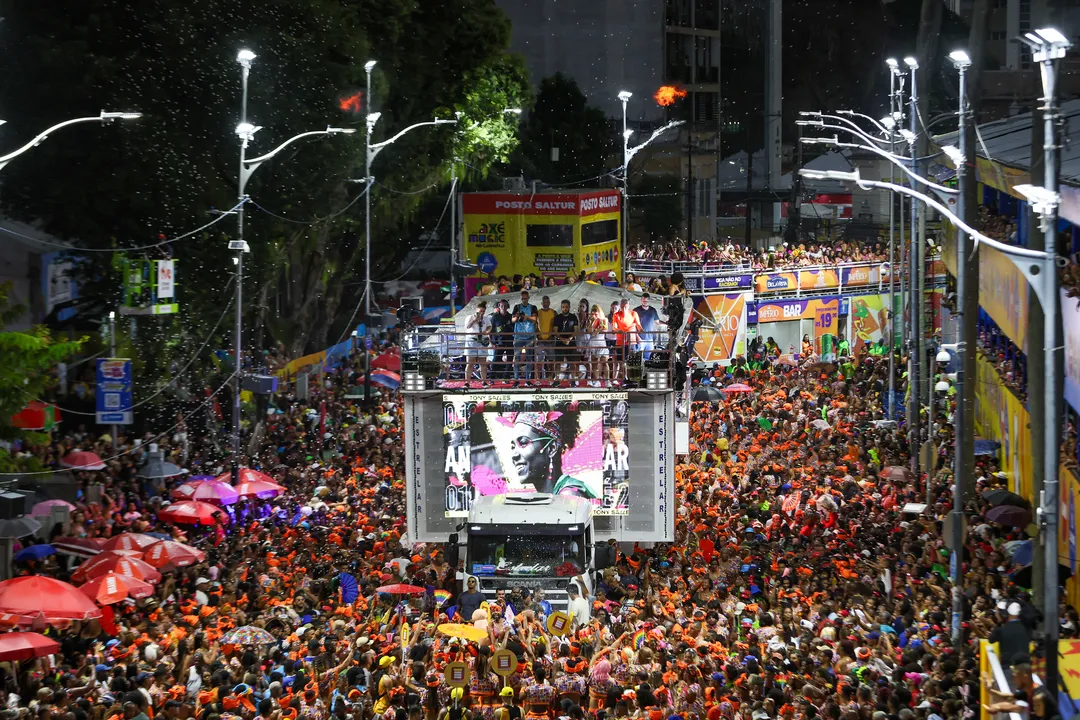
(185,491)
(738,388)
(119,564)
(215,491)
(246,475)
(171,554)
(130,541)
(38,595)
(260,489)
(45,508)
(82,460)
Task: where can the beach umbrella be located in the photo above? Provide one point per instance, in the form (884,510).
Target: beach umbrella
(463,631)
(111,561)
(707,393)
(26,646)
(214,491)
(248,635)
(79,547)
(36,415)
(193,512)
(1022,553)
(738,388)
(34,552)
(387,379)
(260,489)
(46,507)
(390,360)
(1009,515)
(137,542)
(400,589)
(18,527)
(171,554)
(349,589)
(112,588)
(1001,496)
(155,468)
(82,460)
(54,601)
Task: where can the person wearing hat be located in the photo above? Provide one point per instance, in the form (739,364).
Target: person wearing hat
(455,711)
(1013,636)
(385,679)
(509,710)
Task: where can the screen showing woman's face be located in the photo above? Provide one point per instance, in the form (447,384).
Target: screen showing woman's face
(531,455)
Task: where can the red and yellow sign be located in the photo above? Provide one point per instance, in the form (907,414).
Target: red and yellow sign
(549,234)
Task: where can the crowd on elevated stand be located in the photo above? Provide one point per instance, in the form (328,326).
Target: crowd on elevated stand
(782,256)
(797,588)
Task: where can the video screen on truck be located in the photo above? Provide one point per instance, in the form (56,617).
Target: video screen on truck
(559,444)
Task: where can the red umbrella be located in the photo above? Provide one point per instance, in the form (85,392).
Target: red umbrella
(215,491)
(193,512)
(738,388)
(79,547)
(117,563)
(185,491)
(26,646)
(82,460)
(112,588)
(259,489)
(36,416)
(389,360)
(129,541)
(400,589)
(171,554)
(55,601)
(246,475)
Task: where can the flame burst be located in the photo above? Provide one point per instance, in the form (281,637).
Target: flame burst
(351,103)
(668,94)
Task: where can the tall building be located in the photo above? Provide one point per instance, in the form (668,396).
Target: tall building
(604,45)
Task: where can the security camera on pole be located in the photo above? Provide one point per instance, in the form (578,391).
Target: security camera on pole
(245,131)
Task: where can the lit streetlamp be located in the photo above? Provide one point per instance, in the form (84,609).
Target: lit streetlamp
(103,117)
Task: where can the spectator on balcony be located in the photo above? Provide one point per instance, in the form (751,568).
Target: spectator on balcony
(524,315)
(627,328)
(596,330)
(631,283)
(546,367)
(649,322)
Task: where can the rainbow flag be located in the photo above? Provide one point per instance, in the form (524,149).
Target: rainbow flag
(639,639)
(441,596)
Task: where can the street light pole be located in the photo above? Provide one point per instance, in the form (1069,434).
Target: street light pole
(915,304)
(893,65)
(103,117)
(961,61)
(624,98)
(245,131)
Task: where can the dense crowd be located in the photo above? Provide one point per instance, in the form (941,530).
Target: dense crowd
(798,586)
(779,257)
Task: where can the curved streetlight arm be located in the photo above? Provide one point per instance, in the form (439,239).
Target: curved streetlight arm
(103,117)
(881,128)
(250,166)
(630,152)
(894,160)
(377,147)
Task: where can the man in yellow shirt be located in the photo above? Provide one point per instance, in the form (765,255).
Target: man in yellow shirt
(545,343)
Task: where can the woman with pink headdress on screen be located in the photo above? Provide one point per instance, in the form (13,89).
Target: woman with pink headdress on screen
(537,443)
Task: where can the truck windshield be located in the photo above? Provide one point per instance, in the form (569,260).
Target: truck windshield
(521,556)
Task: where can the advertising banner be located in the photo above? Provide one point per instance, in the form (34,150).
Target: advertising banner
(776,282)
(165,279)
(1003,292)
(564,444)
(549,234)
(722,336)
(869,318)
(719,283)
(114,383)
(1000,416)
(795,309)
(863,275)
(1070,321)
(1070,495)
(818,279)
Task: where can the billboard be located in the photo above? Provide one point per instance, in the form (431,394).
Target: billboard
(113,396)
(1003,290)
(561,444)
(549,234)
(1070,321)
(722,335)
(869,318)
(719,283)
(797,309)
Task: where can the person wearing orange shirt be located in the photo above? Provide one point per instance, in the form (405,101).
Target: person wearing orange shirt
(626,326)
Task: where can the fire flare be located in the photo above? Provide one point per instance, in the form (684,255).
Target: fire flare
(668,94)
(351,103)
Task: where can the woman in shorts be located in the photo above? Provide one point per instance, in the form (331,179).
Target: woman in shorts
(597,328)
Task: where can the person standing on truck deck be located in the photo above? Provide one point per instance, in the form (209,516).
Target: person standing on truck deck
(469,601)
(577,605)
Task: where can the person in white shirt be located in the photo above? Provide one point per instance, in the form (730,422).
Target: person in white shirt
(578,606)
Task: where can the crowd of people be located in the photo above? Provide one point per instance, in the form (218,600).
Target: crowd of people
(738,256)
(798,586)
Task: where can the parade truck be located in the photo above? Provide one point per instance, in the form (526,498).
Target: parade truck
(529,541)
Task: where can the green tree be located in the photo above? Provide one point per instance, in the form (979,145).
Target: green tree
(656,204)
(28,357)
(562,118)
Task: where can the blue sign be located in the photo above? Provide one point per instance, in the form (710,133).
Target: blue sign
(486,262)
(114,382)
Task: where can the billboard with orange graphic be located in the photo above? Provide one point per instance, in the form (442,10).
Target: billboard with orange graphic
(722,336)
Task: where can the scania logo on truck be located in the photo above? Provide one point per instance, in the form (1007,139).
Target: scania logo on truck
(538,205)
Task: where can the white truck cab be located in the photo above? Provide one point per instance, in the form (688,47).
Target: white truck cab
(529,541)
